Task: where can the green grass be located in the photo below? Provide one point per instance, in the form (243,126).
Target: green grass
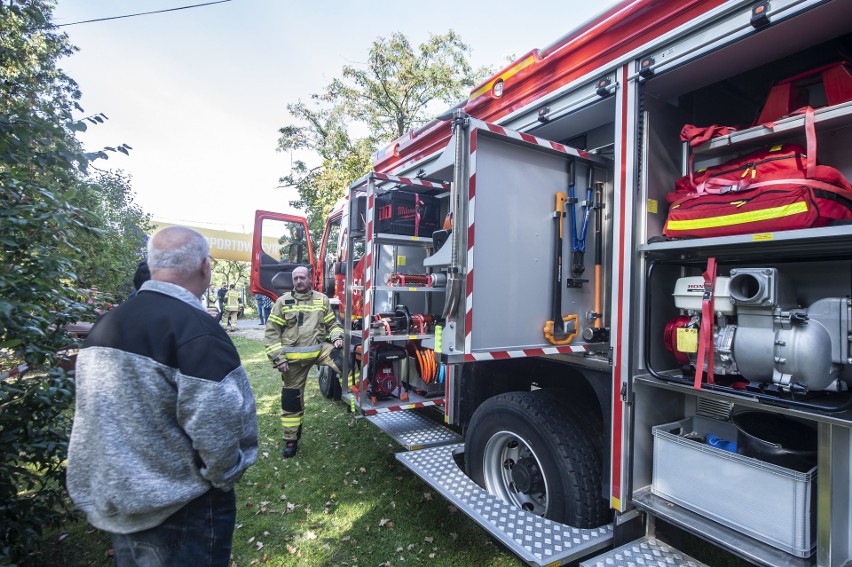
(343,501)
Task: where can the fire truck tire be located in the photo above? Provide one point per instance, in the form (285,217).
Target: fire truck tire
(329,383)
(526,449)
(581,409)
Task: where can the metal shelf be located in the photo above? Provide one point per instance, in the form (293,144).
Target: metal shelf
(808,243)
(841,418)
(409,288)
(386,238)
(391,338)
(732,540)
(825,119)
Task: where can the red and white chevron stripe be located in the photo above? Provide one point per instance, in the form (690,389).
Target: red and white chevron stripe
(410,181)
(537,141)
(522,353)
(375,411)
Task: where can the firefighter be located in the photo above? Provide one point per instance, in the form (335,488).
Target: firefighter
(295,336)
(232,307)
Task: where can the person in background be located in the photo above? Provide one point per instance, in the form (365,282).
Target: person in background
(264,305)
(142,275)
(232,308)
(165,420)
(220,300)
(295,341)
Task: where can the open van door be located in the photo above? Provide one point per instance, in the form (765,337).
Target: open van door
(280,244)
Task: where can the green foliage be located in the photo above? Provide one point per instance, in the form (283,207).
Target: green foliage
(343,159)
(51,224)
(117,220)
(395,92)
(230,272)
(398,89)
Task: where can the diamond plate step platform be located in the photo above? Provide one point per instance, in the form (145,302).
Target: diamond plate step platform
(645,552)
(412,430)
(533,539)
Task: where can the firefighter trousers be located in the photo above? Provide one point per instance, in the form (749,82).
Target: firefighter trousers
(293,392)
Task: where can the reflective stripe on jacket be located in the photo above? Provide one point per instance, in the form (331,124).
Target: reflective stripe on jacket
(297,326)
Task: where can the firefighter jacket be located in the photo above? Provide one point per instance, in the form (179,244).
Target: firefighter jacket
(297,327)
(233,300)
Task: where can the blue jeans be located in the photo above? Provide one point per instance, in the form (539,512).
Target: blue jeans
(198,534)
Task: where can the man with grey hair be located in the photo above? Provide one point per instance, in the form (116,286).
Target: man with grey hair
(165,420)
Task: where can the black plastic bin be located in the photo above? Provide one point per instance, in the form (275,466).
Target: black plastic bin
(407,214)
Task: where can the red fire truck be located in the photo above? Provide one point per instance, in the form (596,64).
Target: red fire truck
(609,294)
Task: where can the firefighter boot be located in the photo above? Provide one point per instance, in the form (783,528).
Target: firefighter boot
(290,448)
(291,419)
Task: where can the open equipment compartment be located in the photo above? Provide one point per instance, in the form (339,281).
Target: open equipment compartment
(807,266)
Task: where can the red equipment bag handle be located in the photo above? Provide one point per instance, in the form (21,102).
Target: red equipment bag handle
(705,334)
(811,158)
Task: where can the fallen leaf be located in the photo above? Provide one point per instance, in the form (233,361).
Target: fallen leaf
(249,505)
(427,496)
(385,523)
(454,535)
(429,539)
(311,535)
(259,546)
(291,550)
(362,469)
(452,509)
(345,538)
(431,556)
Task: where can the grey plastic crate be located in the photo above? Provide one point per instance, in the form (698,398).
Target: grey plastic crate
(765,501)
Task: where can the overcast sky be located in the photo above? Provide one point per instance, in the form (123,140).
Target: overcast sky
(201,93)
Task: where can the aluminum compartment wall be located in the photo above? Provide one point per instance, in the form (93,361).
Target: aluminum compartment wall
(513,234)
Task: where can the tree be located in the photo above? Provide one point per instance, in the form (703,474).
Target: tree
(399,87)
(119,221)
(394,92)
(46,225)
(230,272)
(342,159)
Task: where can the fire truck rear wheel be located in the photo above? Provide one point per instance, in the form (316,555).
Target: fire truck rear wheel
(329,383)
(526,450)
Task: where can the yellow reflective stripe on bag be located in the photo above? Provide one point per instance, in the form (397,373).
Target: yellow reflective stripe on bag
(739,218)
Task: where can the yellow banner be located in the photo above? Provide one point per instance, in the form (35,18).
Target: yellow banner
(224,245)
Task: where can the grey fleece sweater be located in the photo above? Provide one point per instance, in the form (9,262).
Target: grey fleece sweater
(164,411)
